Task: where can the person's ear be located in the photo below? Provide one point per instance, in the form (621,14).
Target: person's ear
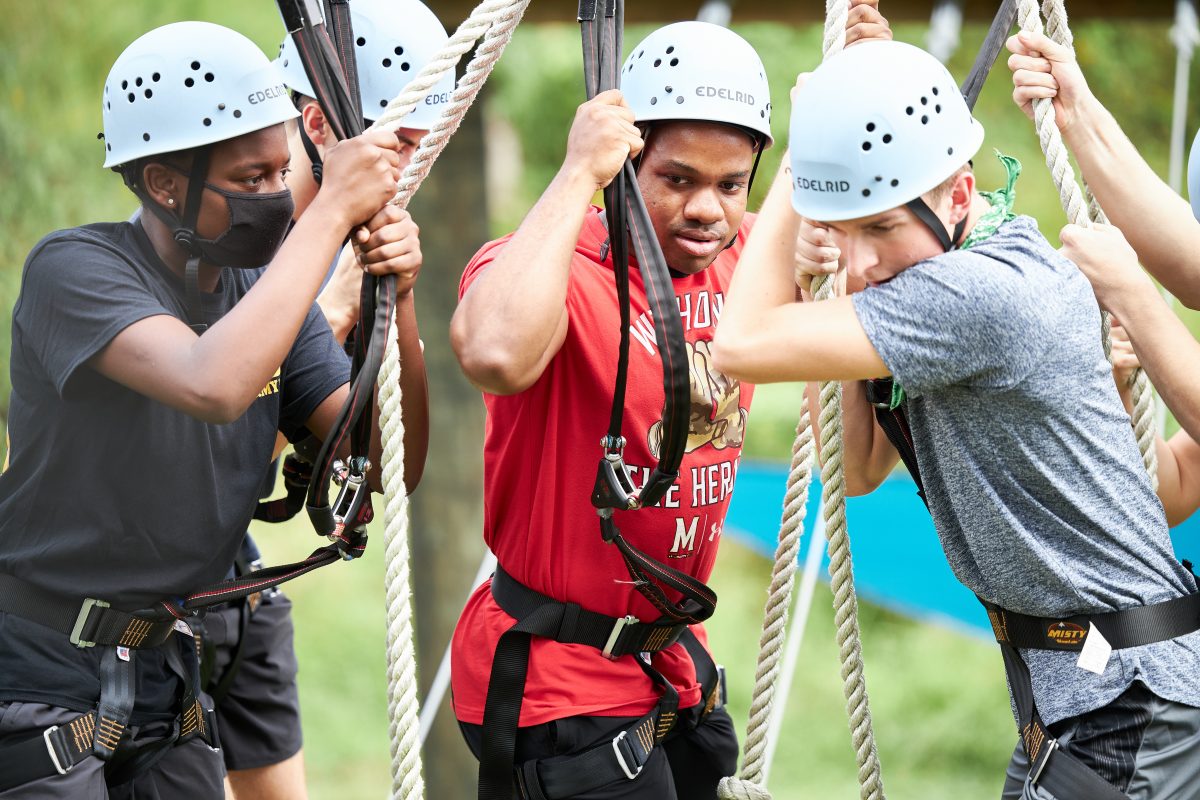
(316,126)
(164,186)
(962,193)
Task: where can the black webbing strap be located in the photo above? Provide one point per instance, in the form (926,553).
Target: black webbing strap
(103,732)
(992,45)
(1130,627)
(629,223)
(569,623)
(1050,767)
(894,422)
(296,475)
(628,220)
(334,83)
(87,621)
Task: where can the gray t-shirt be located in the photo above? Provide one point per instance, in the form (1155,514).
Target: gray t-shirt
(1029,462)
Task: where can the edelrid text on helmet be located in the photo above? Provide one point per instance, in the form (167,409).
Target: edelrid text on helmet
(698,71)
(876,126)
(185,85)
(394,40)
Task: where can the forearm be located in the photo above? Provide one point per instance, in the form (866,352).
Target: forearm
(1156,221)
(1163,344)
(510,322)
(414,388)
(339,300)
(763,280)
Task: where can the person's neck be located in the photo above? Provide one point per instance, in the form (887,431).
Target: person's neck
(979,207)
(174,256)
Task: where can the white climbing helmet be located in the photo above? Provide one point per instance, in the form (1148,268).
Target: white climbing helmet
(876,126)
(394,40)
(188,84)
(1193,176)
(698,71)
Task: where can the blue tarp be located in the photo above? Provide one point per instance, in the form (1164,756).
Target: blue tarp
(898,560)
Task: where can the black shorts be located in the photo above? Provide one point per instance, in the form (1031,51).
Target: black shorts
(688,765)
(258,719)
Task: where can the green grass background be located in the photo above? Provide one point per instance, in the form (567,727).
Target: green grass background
(938,697)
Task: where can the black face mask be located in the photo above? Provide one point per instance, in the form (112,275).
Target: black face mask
(257,225)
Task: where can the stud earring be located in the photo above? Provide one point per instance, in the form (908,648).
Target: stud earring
(170,201)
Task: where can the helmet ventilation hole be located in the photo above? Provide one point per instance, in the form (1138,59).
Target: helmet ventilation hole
(866,192)
(124,84)
(938,108)
(155,77)
(669,89)
(895,182)
(237,113)
(658,62)
(148,94)
(405,67)
(679,99)
(762,114)
(949,151)
(387,62)
(924,101)
(887,138)
(909,111)
(360,41)
(138,82)
(131,97)
(674,62)
(208,77)
(383,103)
(866,145)
(145,137)
(935,90)
(207,122)
(670,49)
(653,101)
(189,82)
(195,65)
(870,127)
(398,51)
(924,120)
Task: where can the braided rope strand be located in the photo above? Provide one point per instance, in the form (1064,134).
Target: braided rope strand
(495,20)
(749,785)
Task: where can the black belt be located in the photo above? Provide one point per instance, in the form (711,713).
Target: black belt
(621,758)
(1051,767)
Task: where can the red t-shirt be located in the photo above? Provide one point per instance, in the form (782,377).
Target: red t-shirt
(541,451)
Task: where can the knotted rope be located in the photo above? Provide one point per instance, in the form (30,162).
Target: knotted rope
(1083,210)
(495,20)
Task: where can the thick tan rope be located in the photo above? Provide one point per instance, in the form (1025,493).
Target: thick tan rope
(750,784)
(833,479)
(495,20)
(1082,209)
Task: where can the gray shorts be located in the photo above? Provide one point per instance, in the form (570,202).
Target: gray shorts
(258,719)
(192,770)
(1144,745)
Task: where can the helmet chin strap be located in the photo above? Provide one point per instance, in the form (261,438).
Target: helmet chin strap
(183,230)
(310,149)
(925,214)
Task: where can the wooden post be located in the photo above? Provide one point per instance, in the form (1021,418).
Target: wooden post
(447,508)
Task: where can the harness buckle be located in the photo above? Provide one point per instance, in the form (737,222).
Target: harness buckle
(81,621)
(614,637)
(616,746)
(58,766)
(1051,746)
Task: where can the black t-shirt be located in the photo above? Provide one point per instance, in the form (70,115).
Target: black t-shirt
(108,493)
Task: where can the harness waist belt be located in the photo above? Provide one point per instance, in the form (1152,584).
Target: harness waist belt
(87,621)
(1130,627)
(613,636)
